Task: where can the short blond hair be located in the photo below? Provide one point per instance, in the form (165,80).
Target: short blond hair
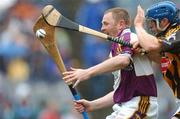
(119,14)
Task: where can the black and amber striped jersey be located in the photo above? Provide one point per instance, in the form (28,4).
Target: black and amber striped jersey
(170,61)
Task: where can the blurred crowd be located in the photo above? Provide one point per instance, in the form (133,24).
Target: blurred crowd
(30,83)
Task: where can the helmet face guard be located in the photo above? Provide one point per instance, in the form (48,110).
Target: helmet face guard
(153,26)
(149,25)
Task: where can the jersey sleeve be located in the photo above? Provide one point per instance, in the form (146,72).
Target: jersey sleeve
(128,50)
(172,44)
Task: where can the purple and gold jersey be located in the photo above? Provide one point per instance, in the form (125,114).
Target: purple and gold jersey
(136,79)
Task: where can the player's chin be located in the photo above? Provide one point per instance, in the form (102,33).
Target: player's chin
(105,32)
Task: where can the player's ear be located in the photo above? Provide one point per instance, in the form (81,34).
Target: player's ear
(121,24)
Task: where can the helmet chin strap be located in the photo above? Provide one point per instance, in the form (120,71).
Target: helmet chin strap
(158,26)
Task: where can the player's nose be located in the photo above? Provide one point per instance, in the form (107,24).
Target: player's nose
(103,29)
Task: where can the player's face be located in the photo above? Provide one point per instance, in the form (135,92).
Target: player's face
(152,27)
(109,26)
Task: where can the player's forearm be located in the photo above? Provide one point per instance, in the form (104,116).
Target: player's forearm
(111,64)
(102,102)
(147,41)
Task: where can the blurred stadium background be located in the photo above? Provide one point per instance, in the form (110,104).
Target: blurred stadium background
(30,84)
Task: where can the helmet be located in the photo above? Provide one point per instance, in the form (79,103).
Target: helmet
(165,9)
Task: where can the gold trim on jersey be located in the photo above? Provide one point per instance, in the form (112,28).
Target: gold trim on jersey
(171,31)
(143,106)
(172,74)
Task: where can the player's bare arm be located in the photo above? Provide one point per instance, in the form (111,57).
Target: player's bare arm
(99,103)
(146,40)
(112,64)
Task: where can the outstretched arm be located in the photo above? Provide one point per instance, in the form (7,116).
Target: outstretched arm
(109,65)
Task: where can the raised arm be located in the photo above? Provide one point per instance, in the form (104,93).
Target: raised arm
(146,40)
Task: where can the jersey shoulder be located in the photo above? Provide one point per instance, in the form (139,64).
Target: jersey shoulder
(134,37)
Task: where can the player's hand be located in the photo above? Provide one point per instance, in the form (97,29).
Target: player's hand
(75,75)
(136,47)
(83,105)
(140,17)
